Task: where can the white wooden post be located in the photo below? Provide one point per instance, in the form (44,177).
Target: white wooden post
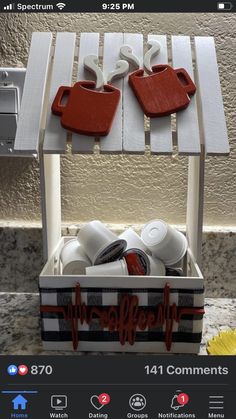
(50,188)
(195,200)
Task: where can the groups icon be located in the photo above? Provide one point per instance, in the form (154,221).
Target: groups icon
(137,402)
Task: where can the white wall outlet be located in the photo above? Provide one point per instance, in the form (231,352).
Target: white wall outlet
(11,90)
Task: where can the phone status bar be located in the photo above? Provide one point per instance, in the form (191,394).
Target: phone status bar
(106,6)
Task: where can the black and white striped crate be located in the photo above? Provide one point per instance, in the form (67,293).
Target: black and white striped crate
(128,314)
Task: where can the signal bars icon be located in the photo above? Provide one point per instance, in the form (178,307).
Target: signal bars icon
(9,6)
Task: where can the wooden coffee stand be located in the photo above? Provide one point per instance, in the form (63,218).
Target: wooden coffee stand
(200,131)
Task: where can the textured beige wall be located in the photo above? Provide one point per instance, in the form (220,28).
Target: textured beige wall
(123,189)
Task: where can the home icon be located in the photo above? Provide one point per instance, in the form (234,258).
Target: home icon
(19,402)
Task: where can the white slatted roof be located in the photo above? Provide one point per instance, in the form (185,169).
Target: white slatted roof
(50,67)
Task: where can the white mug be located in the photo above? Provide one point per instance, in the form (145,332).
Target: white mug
(73,258)
(99,243)
(118,267)
(165,242)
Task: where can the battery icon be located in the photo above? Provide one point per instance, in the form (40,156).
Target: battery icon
(224,6)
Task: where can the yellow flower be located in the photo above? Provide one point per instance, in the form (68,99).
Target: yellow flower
(223,344)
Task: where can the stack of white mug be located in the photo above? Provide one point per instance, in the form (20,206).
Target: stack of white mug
(97,251)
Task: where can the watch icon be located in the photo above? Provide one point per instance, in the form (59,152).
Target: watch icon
(59,402)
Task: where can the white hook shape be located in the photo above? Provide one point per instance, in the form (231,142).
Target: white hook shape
(126,53)
(91,63)
(122,69)
(154,50)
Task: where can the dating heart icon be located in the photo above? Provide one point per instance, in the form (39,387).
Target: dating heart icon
(95,402)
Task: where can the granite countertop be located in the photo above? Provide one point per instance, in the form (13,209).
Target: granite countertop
(20,323)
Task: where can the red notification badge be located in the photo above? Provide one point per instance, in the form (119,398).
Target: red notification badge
(104,399)
(183,398)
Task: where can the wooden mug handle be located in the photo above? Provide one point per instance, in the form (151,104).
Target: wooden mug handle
(185,80)
(57,108)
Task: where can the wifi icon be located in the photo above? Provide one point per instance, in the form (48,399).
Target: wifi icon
(60,5)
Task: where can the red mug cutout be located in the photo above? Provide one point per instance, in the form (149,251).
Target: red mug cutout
(87,111)
(164,92)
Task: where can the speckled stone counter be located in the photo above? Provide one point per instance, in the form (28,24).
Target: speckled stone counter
(20,323)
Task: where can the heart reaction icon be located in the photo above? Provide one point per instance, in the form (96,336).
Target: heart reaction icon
(98,402)
(22,370)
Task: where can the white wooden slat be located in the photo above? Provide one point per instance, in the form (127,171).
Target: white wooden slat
(211,102)
(160,128)
(29,123)
(188,135)
(89,44)
(133,119)
(112,143)
(56,136)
